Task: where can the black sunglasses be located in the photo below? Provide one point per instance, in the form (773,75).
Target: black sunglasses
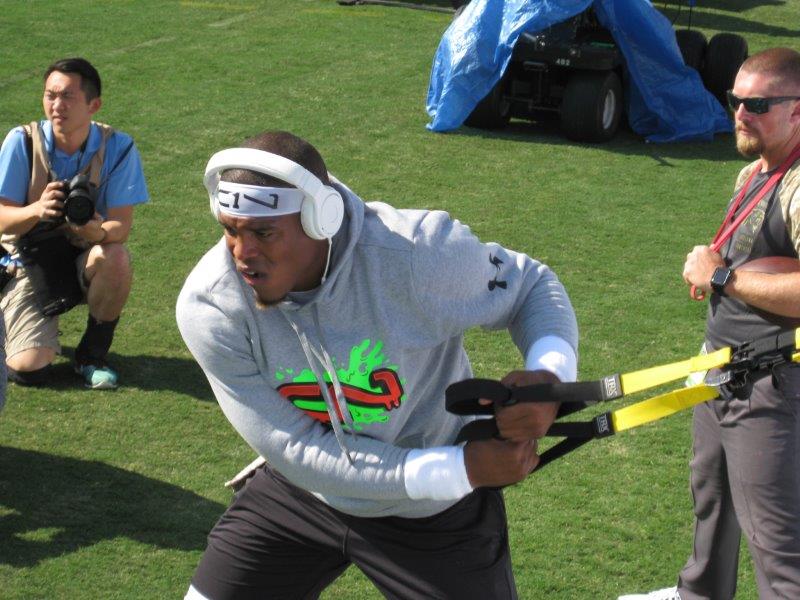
(757,106)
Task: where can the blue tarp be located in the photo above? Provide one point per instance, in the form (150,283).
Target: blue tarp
(665,99)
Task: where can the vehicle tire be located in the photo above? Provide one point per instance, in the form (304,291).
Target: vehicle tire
(692,44)
(494,111)
(592,106)
(725,54)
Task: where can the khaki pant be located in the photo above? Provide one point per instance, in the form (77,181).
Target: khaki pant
(26,327)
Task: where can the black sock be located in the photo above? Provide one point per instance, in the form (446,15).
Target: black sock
(96,340)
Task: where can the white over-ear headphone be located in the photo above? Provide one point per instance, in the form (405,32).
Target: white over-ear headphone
(322,209)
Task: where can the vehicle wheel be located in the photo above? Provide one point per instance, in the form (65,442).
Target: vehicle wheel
(494,111)
(725,54)
(592,106)
(692,44)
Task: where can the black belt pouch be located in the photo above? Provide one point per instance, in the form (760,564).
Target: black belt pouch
(49,261)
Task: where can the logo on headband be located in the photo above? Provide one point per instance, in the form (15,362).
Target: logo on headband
(243,200)
(273,204)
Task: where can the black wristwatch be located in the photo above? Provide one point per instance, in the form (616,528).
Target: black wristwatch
(721,277)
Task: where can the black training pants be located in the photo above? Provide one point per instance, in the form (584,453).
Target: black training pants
(278,541)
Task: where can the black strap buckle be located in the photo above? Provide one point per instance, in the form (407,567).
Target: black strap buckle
(760,355)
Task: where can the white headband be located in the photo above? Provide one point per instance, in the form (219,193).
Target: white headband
(242,200)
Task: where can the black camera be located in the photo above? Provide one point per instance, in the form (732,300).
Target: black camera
(80,197)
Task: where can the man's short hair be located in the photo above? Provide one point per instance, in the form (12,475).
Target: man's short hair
(90,78)
(783,64)
(284,144)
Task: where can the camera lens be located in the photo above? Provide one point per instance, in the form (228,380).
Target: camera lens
(79,204)
(78,208)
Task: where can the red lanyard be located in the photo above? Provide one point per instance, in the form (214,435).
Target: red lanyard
(730,224)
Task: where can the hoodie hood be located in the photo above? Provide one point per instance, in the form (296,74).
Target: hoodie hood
(342,246)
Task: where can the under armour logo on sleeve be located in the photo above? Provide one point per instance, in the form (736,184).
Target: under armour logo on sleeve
(495,283)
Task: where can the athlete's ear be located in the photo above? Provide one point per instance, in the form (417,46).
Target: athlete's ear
(95,104)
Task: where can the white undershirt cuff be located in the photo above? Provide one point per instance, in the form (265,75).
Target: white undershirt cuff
(553,354)
(436,474)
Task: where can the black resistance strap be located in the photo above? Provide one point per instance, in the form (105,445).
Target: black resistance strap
(736,363)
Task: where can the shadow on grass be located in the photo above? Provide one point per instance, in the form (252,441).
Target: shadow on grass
(52,505)
(155,373)
(721,148)
(724,5)
(150,373)
(676,11)
(408,4)
(733,24)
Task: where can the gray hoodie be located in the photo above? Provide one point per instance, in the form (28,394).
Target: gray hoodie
(389,321)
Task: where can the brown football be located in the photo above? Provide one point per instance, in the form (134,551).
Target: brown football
(772,264)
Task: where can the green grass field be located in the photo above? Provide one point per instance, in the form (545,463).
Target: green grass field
(111,494)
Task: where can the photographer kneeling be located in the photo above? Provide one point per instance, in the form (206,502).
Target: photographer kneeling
(68,187)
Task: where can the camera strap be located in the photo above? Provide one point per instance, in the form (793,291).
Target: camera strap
(41,165)
(52,176)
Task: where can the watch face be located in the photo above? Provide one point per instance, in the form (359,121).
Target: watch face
(720,279)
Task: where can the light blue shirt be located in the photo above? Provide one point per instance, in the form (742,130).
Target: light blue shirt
(121,178)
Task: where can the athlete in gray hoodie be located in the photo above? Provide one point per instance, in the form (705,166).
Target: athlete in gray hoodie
(329,329)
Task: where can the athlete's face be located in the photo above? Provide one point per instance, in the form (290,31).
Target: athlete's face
(759,134)
(274,255)
(65,103)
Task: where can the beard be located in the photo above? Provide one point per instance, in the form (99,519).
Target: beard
(260,305)
(748,145)
(265,304)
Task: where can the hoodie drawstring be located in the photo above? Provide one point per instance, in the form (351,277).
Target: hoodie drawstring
(334,406)
(326,360)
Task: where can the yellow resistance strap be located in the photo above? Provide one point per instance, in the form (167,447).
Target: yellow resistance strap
(661,406)
(667,404)
(636,381)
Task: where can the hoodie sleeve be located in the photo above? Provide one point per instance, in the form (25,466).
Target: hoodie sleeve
(462,283)
(295,444)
